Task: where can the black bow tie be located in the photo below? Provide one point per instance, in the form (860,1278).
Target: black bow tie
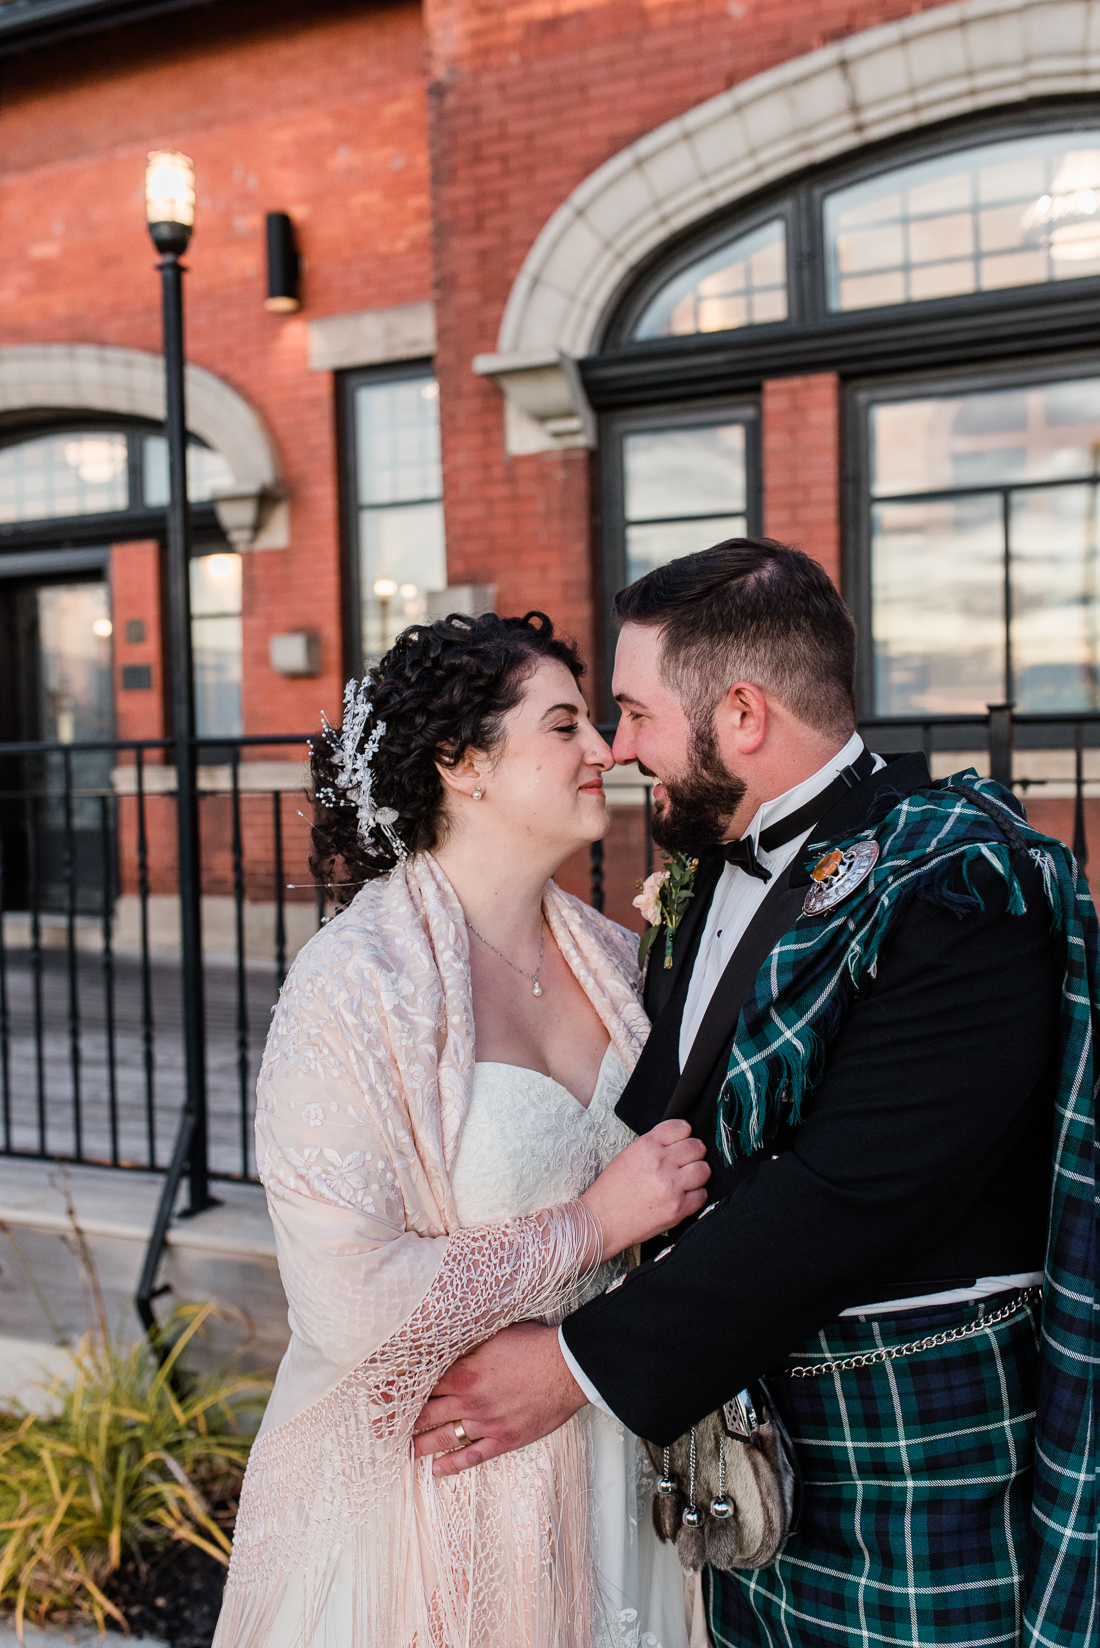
(742,854)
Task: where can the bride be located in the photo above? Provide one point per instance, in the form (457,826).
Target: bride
(436,1131)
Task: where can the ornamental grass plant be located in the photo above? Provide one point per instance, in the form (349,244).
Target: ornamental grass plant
(132,1454)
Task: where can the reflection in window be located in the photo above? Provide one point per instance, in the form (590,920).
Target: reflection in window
(1017,213)
(217,644)
(74,648)
(75,473)
(685,489)
(984,550)
(399,484)
(744,283)
(207,472)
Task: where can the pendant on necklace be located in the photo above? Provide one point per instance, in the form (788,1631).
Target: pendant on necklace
(536,988)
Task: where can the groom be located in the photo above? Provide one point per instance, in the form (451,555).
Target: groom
(902,1196)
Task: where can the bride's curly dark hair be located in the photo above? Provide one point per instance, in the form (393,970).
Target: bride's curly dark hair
(441,689)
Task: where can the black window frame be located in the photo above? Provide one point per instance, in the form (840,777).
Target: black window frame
(55,534)
(351,594)
(1012,321)
(857,501)
(613,427)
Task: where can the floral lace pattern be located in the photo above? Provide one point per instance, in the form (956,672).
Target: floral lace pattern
(365,1087)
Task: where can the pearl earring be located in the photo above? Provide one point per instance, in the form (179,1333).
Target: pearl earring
(477,793)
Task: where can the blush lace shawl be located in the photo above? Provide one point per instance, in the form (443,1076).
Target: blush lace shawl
(365,1084)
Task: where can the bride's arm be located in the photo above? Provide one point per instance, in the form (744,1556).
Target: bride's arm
(368,1281)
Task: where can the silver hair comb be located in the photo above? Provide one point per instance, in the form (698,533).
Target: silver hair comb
(352,757)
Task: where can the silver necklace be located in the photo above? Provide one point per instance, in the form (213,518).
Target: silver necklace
(536,987)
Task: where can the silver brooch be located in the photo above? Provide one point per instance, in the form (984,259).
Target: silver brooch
(837,874)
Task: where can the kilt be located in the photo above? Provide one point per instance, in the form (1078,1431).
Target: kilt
(918,1481)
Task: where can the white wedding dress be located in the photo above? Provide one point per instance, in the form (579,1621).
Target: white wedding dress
(527,1144)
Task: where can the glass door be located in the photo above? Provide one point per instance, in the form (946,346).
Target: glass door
(57,817)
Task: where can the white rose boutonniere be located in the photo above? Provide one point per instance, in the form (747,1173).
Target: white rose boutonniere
(662,900)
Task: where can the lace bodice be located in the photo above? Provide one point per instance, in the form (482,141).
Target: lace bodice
(528,1144)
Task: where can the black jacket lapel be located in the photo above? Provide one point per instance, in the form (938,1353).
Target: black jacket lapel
(643,1099)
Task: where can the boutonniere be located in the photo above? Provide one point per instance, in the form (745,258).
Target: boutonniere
(663,898)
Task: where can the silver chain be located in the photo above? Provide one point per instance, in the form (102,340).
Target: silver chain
(890,1353)
(522,971)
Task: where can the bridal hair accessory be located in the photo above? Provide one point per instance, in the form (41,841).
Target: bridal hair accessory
(352,758)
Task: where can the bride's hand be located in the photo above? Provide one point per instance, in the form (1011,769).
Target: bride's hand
(649,1187)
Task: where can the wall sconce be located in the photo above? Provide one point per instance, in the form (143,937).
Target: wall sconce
(284,266)
(242,512)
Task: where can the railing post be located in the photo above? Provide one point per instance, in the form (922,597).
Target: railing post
(1080,841)
(1000,743)
(596,853)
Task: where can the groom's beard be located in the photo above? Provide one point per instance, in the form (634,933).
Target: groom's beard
(700,805)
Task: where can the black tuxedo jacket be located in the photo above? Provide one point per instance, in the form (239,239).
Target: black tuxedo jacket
(922,1162)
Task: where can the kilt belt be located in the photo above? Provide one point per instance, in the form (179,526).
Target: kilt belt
(915,1436)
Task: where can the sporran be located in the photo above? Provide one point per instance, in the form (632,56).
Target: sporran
(729,1490)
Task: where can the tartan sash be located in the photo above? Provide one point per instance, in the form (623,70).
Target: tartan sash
(928,844)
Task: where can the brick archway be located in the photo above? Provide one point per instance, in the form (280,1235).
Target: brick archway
(97,378)
(947,61)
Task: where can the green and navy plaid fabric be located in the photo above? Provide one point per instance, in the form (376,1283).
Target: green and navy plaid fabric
(928,844)
(918,1490)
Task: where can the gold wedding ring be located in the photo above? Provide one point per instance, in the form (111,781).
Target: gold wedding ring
(460,1433)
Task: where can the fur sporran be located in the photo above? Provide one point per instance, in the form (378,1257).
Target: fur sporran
(729,1491)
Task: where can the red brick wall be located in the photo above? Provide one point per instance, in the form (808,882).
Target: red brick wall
(136,596)
(319,111)
(527,98)
(801,462)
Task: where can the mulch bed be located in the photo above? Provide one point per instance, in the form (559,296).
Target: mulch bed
(174,1595)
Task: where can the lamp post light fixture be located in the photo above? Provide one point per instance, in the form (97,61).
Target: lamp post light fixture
(170,214)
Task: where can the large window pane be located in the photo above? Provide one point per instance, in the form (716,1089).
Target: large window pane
(985,587)
(1017,213)
(684,490)
(1055,639)
(399,483)
(402,557)
(207,472)
(1040,433)
(744,283)
(74,679)
(217,644)
(938,606)
(75,473)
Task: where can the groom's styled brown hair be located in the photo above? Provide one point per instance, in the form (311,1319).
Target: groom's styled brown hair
(750,609)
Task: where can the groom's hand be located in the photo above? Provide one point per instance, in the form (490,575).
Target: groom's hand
(512,1390)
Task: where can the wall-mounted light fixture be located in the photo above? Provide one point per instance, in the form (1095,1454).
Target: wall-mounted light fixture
(283,265)
(241,512)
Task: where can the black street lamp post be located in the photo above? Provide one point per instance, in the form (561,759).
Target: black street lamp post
(170,211)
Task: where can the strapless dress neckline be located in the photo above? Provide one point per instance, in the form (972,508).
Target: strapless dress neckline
(601,1088)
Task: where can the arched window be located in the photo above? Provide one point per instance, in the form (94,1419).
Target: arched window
(66,495)
(953,284)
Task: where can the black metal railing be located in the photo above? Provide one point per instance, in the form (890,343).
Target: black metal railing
(91,989)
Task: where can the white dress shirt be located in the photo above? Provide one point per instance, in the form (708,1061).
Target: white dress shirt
(739,895)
